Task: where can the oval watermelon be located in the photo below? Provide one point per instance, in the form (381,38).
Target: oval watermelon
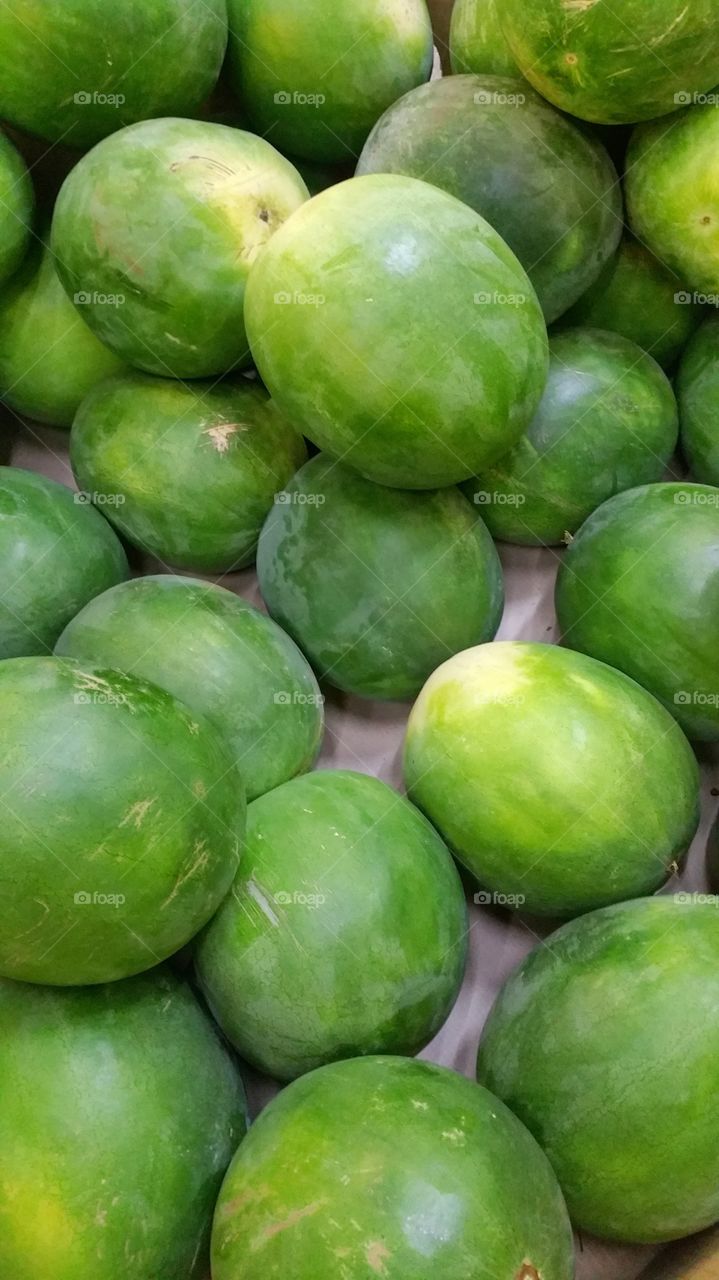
(618,1014)
(398,1168)
(120,1111)
(17,204)
(122,819)
(639,589)
(255,686)
(698,396)
(476,40)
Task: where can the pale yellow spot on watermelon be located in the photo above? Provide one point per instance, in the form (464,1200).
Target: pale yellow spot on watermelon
(138,812)
(377,1254)
(222,433)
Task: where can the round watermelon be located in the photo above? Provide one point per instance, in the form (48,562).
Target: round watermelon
(607,421)
(17,204)
(336,866)
(377,585)
(391,1168)
(615,64)
(56,553)
(638,297)
(122,817)
(315,80)
(672,188)
(78,70)
(120,1111)
(557,781)
(49,358)
(186,471)
(255,686)
(698,395)
(476,40)
(165,288)
(619,1016)
(639,589)
(548,188)
(398,331)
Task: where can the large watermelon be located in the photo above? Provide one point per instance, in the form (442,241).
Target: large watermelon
(698,395)
(16,206)
(476,40)
(122,817)
(605,1042)
(639,588)
(398,331)
(384,1167)
(120,1111)
(548,188)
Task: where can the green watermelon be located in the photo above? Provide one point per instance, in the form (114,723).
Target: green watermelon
(391,1168)
(557,781)
(640,298)
(315,79)
(79,69)
(548,188)
(49,359)
(186,471)
(698,395)
(639,589)
(255,686)
(165,288)
(17,204)
(122,816)
(607,421)
(615,63)
(398,331)
(476,40)
(336,866)
(120,1111)
(377,585)
(672,188)
(619,1016)
(56,553)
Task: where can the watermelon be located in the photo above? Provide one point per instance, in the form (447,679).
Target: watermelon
(78,70)
(336,866)
(619,1015)
(615,64)
(698,395)
(377,585)
(476,40)
(255,686)
(122,819)
(398,331)
(120,1111)
(56,554)
(557,781)
(315,81)
(49,359)
(640,298)
(392,1168)
(672,188)
(165,288)
(548,188)
(17,204)
(639,589)
(607,421)
(187,472)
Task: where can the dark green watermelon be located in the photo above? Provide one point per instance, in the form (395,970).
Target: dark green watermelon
(698,396)
(16,206)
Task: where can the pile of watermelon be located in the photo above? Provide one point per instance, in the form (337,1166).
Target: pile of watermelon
(303,345)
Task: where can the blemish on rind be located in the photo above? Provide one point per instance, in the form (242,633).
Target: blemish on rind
(377,1254)
(528,1271)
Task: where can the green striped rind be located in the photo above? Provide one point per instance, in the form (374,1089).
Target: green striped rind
(556,780)
(394,1168)
(607,421)
(17,203)
(79,70)
(56,554)
(122,818)
(377,585)
(380,317)
(337,866)
(617,1014)
(610,64)
(548,188)
(698,396)
(218,655)
(120,1111)
(165,288)
(186,471)
(316,82)
(639,589)
(476,40)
